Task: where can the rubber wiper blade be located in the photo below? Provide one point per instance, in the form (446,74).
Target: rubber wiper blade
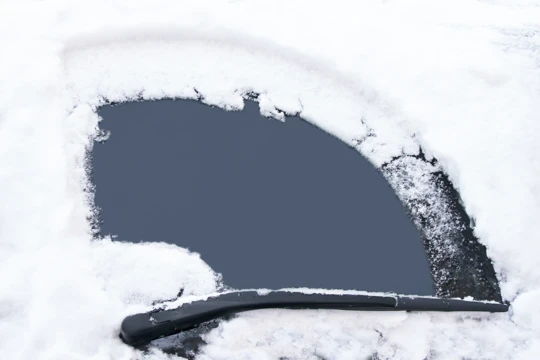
(140,329)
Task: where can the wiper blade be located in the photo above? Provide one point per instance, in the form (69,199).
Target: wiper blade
(140,329)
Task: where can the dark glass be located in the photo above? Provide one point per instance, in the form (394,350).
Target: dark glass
(267,204)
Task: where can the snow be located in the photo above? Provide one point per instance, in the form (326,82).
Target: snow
(460,78)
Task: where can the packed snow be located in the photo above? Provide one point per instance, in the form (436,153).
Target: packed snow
(459,78)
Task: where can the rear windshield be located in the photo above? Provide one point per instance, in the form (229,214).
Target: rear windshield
(268,204)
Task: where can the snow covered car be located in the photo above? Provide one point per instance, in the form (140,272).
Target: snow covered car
(436,102)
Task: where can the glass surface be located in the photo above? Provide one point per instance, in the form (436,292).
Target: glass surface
(267,204)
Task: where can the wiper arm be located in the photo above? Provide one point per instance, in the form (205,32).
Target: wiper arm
(140,329)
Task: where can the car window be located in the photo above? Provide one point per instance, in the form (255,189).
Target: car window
(268,204)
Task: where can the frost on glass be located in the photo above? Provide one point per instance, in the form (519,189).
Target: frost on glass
(458,262)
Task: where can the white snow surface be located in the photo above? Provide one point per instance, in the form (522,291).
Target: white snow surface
(460,78)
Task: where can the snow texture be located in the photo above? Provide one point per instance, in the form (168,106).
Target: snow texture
(461,79)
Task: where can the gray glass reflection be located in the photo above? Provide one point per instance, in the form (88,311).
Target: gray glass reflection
(267,204)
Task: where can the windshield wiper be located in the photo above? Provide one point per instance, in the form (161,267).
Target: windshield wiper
(140,329)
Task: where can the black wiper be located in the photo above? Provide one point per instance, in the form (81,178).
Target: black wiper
(140,329)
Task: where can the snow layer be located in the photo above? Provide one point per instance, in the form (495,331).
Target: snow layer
(460,78)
